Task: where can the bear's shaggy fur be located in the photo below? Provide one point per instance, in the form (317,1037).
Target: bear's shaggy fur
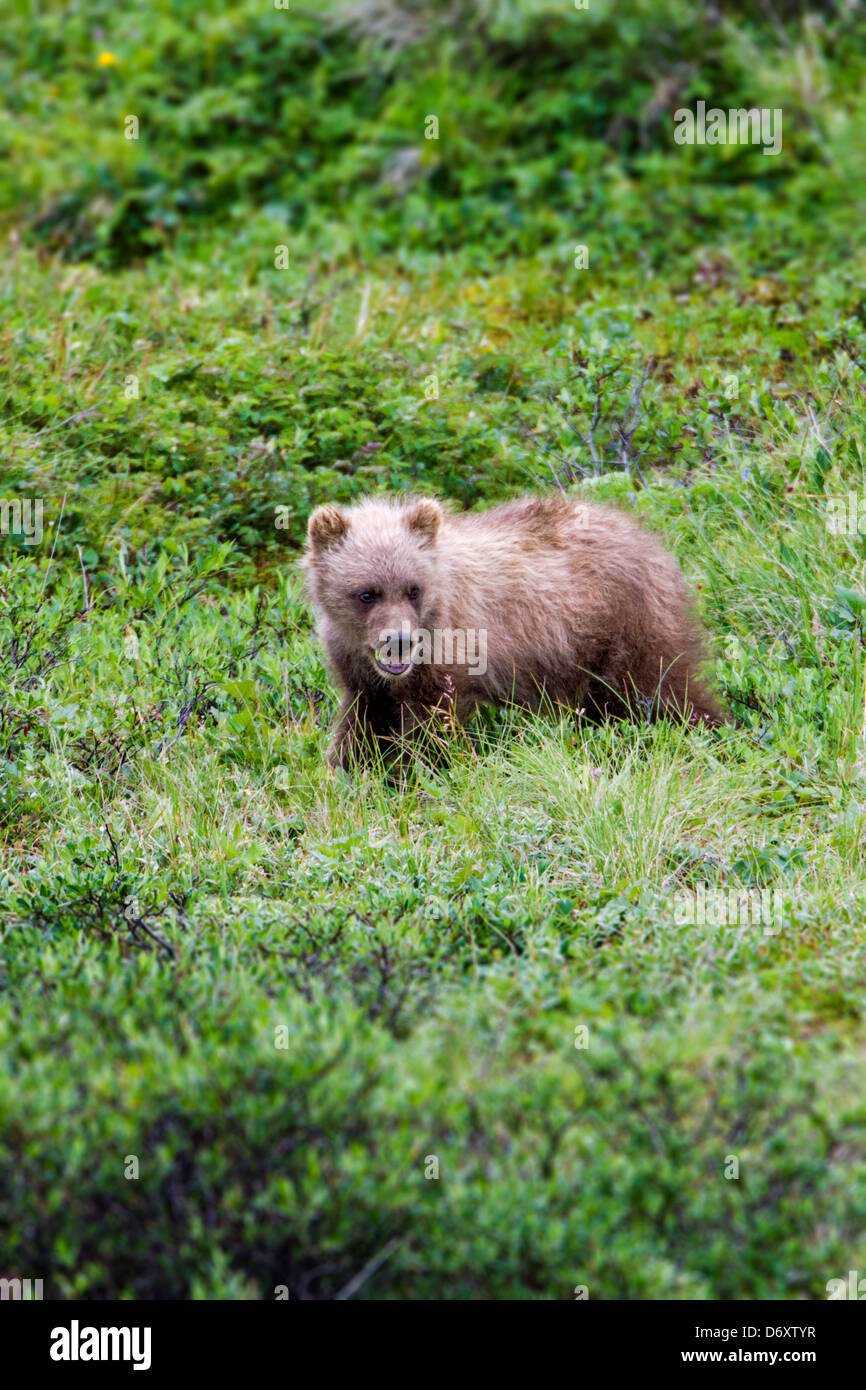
(580,607)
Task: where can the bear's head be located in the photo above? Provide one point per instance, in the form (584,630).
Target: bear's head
(372,572)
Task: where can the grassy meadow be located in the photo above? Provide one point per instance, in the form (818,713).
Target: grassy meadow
(267,1030)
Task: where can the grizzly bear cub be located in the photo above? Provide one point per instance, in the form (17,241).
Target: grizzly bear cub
(426,614)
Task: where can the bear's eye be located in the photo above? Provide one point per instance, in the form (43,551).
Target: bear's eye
(412,593)
(367,596)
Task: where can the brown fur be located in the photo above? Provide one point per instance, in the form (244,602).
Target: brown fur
(581,607)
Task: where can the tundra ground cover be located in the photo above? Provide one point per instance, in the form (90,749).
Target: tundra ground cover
(451,1031)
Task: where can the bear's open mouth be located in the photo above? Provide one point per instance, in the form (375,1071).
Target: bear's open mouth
(392,668)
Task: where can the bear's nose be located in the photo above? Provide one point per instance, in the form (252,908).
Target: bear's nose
(396,643)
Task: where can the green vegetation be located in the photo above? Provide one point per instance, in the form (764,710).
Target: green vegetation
(180,876)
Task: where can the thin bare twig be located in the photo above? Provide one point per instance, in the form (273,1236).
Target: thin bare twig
(370,1267)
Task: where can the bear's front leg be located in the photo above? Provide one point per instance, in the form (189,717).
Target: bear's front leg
(367,724)
(390,726)
(429,720)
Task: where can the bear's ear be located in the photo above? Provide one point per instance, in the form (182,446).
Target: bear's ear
(326,526)
(423,519)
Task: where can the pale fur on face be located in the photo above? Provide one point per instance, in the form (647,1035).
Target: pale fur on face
(384,550)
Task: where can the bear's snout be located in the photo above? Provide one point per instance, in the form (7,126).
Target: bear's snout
(393,651)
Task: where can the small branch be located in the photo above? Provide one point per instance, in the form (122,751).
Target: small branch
(70,420)
(84,576)
(53,547)
(370,1268)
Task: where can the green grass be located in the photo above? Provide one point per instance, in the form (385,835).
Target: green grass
(185,887)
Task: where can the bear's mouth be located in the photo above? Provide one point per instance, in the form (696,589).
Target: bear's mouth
(392,669)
